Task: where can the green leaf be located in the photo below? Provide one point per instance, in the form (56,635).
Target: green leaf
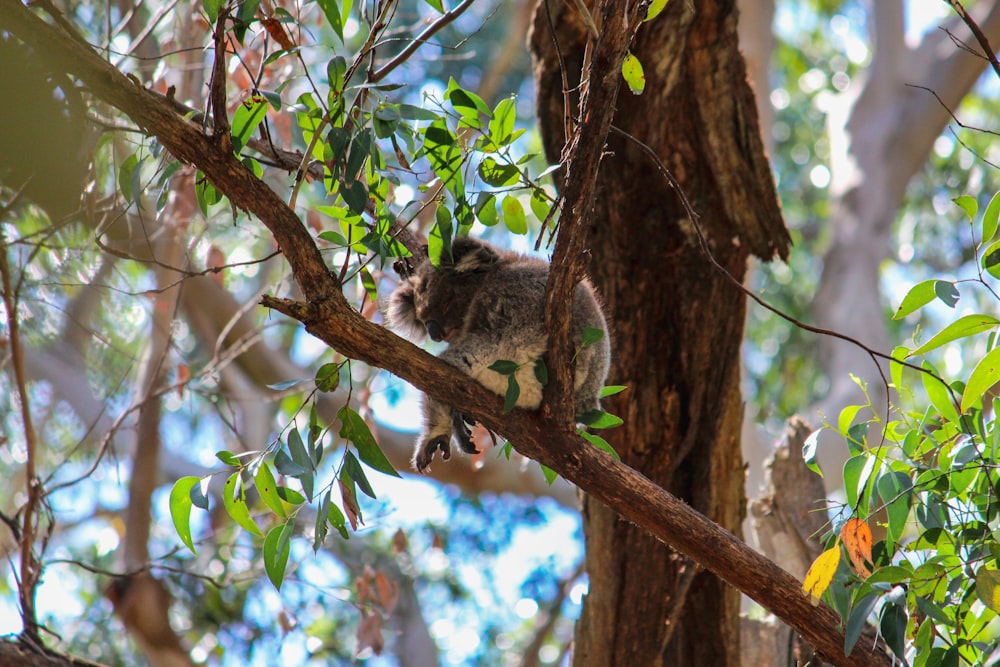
(267,487)
(612,389)
(984,375)
(633,74)
(504,367)
(297,449)
(212,8)
(357,473)
(125,173)
(354,429)
(541,372)
(549,474)
(228,458)
(328,377)
(497,174)
(655,7)
(988,588)
(540,205)
(919,296)
(938,393)
(486,209)
(810,448)
(896,491)
(513,392)
(895,367)
(338,521)
(600,443)
(600,419)
(180,509)
(277,546)
(967,204)
(858,621)
(513,215)
(436,5)
(591,335)
(332,12)
(991,259)
(234,500)
(502,123)
(990,219)
(249,115)
(893,629)
(967,325)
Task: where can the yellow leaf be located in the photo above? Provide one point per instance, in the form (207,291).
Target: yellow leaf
(857,537)
(820,573)
(655,7)
(634,76)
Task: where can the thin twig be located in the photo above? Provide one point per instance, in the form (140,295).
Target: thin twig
(977,32)
(418,41)
(30,571)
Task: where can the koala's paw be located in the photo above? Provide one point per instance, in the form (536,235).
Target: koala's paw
(460,428)
(424,455)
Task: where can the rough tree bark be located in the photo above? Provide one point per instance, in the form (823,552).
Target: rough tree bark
(677,322)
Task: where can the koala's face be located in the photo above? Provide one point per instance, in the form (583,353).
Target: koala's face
(437,302)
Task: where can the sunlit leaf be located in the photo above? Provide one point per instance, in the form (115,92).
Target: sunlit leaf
(633,74)
(600,443)
(990,219)
(267,487)
(967,204)
(967,325)
(513,215)
(180,508)
(234,500)
(938,393)
(984,375)
(613,389)
(810,449)
(655,7)
(919,296)
(821,573)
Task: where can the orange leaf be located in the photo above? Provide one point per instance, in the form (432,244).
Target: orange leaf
(820,573)
(857,537)
(278,33)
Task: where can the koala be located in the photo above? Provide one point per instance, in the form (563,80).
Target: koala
(488,304)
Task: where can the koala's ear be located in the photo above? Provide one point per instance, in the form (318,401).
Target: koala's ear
(470,255)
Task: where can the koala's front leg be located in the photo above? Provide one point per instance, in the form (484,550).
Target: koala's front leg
(435,435)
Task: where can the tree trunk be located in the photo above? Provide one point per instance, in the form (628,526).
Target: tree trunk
(676,320)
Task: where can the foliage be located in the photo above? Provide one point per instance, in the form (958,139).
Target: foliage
(928,480)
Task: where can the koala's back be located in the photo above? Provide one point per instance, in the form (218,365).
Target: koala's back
(506,313)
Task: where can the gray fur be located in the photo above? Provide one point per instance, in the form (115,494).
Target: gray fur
(489,304)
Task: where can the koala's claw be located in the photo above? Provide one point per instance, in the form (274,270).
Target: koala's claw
(425,455)
(462,433)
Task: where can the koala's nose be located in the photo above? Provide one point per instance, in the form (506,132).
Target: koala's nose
(434,330)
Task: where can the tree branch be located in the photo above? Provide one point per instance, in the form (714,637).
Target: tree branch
(583,154)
